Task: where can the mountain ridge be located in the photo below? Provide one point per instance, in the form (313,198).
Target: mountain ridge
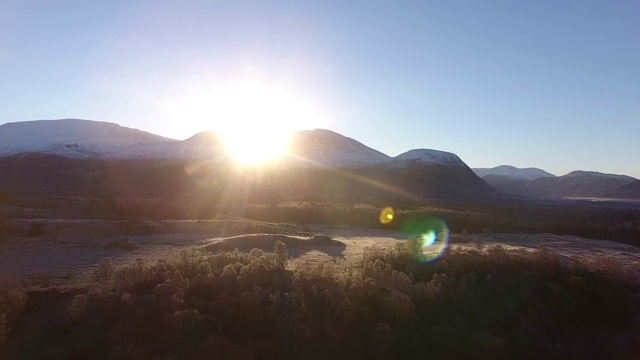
(320,163)
(329,148)
(530,173)
(431,157)
(70,137)
(427,172)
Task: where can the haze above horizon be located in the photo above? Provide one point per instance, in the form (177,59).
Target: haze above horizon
(530,84)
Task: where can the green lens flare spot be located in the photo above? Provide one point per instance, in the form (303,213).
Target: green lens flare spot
(429,237)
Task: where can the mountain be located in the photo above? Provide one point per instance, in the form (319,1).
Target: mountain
(104,159)
(507,184)
(415,174)
(625,191)
(432,174)
(509,179)
(577,184)
(95,157)
(71,138)
(328,148)
(306,148)
(204,145)
(537,183)
(574,184)
(528,174)
(428,156)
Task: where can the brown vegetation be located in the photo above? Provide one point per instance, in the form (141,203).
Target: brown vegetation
(495,304)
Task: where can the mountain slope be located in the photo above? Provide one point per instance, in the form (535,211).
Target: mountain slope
(432,174)
(576,184)
(428,156)
(507,184)
(328,148)
(369,174)
(528,174)
(537,183)
(204,145)
(322,164)
(625,191)
(72,138)
(126,162)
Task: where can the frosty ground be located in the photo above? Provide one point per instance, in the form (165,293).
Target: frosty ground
(64,251)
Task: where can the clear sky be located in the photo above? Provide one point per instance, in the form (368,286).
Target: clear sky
(550,84)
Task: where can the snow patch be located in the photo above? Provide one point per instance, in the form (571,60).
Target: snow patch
(429,156)
(204,145)
(70,137)
(327,148)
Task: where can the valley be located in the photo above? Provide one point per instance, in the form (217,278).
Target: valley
(66,252)
(94,233)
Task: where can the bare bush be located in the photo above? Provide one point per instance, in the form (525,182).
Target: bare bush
(78,306)
(13,301)
(494,304)
(104,271)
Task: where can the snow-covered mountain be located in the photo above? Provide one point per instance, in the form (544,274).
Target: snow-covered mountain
(308,169)
(328,148)
(428,156)
(528,174)
(204,145)
(72,138)
(421,173)
(433,174)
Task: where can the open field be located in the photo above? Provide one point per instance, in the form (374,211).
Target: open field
(66,251)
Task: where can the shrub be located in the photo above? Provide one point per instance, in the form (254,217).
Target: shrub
(469,304)
(78,307)
(13,301)
(104,271)
(4,327)
(129,277)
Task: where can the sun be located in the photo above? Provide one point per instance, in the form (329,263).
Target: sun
(256,145)
(253,119)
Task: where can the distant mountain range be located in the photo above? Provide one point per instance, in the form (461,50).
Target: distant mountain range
(537,183)
(74,138)
(512,172)
(73,154)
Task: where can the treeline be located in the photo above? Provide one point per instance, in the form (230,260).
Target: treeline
(608,222)
(618,224)
(596,221)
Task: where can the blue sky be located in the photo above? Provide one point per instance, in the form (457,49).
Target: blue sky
(550,84)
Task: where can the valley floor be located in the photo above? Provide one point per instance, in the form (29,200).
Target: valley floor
(332,292)
(63,251)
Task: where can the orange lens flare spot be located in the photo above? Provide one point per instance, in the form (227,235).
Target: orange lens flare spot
(386,215)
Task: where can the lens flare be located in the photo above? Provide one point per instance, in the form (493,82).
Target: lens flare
(386,215)
(430,236)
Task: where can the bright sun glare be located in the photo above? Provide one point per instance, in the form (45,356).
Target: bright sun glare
(254,119)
